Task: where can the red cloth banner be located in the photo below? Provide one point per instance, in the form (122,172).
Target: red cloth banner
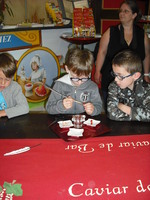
(95,168)
(107,4)
(106,23)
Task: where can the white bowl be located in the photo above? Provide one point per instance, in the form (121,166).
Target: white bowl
(28,87)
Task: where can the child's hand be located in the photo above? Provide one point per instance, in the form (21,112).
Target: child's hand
(68,102)
(89,108)
(2,113)
(126,109)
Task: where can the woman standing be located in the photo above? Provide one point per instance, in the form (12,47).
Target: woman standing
(126,35)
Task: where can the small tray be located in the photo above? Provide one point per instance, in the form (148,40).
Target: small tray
(88,131)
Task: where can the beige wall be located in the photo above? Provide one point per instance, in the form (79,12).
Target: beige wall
(34,8)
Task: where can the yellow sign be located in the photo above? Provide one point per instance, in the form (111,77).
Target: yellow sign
(20,39)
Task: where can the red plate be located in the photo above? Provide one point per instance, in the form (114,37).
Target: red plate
(41,95)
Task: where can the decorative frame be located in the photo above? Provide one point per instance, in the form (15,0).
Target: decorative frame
(49,63)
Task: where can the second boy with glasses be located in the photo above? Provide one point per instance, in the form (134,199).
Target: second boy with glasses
(128,94)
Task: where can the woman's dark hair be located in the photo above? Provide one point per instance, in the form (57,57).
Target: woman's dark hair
(134,7)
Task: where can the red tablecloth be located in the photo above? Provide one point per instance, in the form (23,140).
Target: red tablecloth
(106,168)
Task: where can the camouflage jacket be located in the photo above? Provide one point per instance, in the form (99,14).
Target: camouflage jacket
(138,99)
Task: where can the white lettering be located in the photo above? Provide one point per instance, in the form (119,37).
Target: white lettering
(5,39)
(71,187)
(95,191)
(134,145)
(83,148)
(108,145)
(71,147)
(89,192)
(116,190)
(124,189)
(140,187)
(107,189)
(146,143)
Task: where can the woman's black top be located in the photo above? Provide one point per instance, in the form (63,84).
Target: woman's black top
(116,44)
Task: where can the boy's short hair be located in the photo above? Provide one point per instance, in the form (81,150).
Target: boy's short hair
(7,64)
(79,61)
(129,60)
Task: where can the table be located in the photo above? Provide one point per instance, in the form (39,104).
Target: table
(114,165)
(80,40)
(35,125)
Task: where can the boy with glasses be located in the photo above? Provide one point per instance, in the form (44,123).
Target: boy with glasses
(128,94)
(12,101)
(77,93)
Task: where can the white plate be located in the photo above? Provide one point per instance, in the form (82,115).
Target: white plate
(37,25)
(9,26)
(75,132)
(91,122)
(48,25)
(66,21)
(68,34)
(65,124)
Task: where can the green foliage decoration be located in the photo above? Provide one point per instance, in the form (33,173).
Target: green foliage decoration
(12,188)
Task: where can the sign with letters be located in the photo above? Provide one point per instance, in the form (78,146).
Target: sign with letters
(19,39)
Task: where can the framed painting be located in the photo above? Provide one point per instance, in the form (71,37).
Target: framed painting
(37,70)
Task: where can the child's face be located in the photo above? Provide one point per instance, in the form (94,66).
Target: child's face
(77,80)
(125,81)
(34,66)
(4,81)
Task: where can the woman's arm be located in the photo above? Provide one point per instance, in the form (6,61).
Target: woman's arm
(146,61)
(101,54)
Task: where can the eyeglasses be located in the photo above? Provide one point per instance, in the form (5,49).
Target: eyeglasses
(124,11)
(5,80)
(121,78)
(79,79)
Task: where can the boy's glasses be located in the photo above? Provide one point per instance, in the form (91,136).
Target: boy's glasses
(121,78)
(79,79)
